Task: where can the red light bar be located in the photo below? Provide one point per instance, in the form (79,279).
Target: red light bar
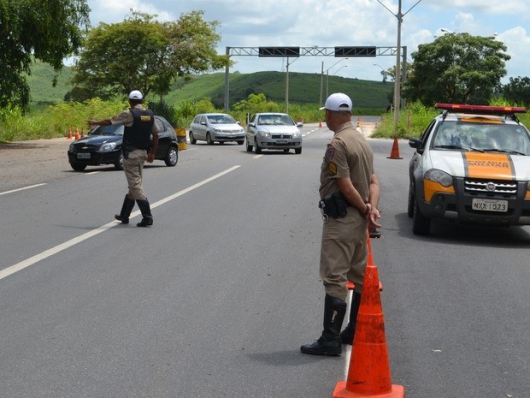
(481,109)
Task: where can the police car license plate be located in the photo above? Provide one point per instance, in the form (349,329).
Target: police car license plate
(500,206)
(83,155)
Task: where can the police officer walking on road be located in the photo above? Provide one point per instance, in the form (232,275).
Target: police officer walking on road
(349,192)
(137,149)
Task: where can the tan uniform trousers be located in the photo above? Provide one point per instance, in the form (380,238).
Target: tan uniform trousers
(133,167)
(343,254)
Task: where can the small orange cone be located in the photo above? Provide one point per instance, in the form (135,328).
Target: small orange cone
(69,135)
(358,122)
(320,125)
(394,154)
(77,136)
(82,132)
(369,371)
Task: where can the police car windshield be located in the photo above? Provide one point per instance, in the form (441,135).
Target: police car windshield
(483,137)
(108,130)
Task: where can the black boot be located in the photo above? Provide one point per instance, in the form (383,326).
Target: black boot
(346,337)
(126,209)
(147,218)
(329,342)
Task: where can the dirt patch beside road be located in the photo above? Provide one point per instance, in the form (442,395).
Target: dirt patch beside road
(24,163)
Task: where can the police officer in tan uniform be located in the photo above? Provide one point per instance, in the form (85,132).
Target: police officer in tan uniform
(137,148)
(349,192)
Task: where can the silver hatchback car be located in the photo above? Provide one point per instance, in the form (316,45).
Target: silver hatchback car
(216,127)
(273,131)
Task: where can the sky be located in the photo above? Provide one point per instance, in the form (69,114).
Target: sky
(331,23)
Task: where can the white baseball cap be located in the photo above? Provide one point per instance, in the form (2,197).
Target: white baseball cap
(338,102)
(136,95)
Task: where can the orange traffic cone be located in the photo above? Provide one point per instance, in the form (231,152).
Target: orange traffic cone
(394,154)
(77,136)
(82,132)
(358,122)
(69,135)
(369,371)
(320,125)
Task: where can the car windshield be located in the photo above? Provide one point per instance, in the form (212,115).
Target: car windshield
(221,119)
(113,129)
(275,120)
(483,137)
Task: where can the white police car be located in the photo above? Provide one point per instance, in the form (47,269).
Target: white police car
(471,165)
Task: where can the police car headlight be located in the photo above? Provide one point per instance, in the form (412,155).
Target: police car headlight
(439,176)
(264,134)
(108,147)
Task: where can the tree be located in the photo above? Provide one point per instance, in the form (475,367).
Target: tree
(142,53)
(517,90)
(457,68)
(34,29)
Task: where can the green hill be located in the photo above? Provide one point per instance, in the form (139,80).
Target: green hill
(303,88)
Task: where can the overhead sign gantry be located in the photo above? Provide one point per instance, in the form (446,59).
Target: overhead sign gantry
(315,51)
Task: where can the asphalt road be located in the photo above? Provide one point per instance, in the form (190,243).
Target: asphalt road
(217,297)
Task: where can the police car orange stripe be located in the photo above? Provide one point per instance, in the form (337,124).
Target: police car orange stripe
(497,166)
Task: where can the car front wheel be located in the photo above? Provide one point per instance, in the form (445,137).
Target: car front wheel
(421,225)
(78,167)
(118,164)
(258,148)
(410,204)
(192,138)
(249,147)
(172,157)
(298,151)
(209,139)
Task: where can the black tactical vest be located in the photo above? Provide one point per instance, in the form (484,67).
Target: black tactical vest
(139,134)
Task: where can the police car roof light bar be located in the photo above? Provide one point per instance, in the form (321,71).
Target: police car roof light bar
(481,109)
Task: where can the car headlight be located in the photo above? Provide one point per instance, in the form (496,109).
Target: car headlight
(218,131)
(108,147)
(264,133)
(71,148)
(439,176)
(296,134)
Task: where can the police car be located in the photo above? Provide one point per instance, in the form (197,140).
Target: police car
(471,165)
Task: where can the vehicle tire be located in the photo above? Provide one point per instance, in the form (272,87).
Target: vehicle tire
(209,139)
(421,225)
(257,147)
(249,147)
(410,204)
(172,157)
(118,165)
(78,167)
(193,141)
(221,142)
(240,142)
(298,151)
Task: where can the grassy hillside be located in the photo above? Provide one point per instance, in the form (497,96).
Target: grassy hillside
(303,88)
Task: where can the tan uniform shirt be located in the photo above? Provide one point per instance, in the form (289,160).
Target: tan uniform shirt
(348,155)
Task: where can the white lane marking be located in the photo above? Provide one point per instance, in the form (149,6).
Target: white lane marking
(21,189)
(257,156)
(63,246)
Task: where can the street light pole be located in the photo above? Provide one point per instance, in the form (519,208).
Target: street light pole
(327,74)
(321,84)
(327,78)
(397,84)
(287,85)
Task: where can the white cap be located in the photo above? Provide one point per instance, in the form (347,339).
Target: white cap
(136,95)
(338,102)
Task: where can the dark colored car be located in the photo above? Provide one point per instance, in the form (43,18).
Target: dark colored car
(103,145)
